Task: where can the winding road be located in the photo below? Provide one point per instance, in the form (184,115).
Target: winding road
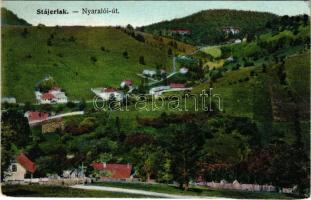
(134,191)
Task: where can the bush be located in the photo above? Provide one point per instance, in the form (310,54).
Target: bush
(71,104)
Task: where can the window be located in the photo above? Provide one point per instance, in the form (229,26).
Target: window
(14,168)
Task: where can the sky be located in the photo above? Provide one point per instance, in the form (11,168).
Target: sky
(140,13)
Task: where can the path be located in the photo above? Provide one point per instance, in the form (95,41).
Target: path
(133,191)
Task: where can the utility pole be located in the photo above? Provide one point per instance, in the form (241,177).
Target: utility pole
(174,63)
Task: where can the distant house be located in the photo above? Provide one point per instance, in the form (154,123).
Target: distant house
(157,89)
(230,59)
(149,72)
(126,83)
(183,70)
(231,30)
(181,31)
(237,41)
(106,93)
(8,100)
(177,85)
(55,95)
(35,116)
(114,171)
(19,167)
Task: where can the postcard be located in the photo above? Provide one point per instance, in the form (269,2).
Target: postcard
(155,99)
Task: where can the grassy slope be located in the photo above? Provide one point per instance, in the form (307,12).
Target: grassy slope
(254,98)
(59,191)
(197,191)
(206,26)
(69,62)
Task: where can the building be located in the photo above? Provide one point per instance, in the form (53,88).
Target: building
(155,90)
(177,85)
(55,95)
(237,41)
(8,100)
(231,30)
(114,171)
(183,70)
(106,93)
(19,168)
(181,31)
(35,116)
(126,83)
(149,72)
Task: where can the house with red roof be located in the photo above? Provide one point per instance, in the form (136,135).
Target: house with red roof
(181,31)
(177,85)
(36,116)
(113,171)
(125,83)
(19,168)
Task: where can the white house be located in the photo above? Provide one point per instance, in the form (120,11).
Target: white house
(8,100)
(155,90)
(55,95)
(237,41)
(149,72)
(18,169)
(183,70)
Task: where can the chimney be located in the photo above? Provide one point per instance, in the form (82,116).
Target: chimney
(128,165)
(104,164)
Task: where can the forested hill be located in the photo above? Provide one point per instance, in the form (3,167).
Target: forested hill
(207,26)
(9,18)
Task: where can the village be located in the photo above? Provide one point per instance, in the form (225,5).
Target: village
(206,105)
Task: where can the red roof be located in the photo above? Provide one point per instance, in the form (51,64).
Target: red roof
(47,96)
(109,90)
(35,116)
(181,30)
(26,163)
(177,85)
(118,171)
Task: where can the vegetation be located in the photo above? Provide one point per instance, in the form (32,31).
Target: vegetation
(206,26)
(9,18)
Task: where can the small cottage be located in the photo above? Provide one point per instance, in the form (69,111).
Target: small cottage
(19,168)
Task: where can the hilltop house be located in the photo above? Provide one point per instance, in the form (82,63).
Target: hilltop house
(106,93)
(19,167)
(231,30)
(55,95)
(126,83)
(121,172)
(36,117)
(181,31)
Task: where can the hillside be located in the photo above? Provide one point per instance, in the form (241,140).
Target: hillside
(9,18)
(79,58)
(206,26)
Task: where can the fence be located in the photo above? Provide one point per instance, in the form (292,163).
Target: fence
(244,187)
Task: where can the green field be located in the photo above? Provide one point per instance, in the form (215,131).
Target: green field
(212,50)
(28,59)
(60,191)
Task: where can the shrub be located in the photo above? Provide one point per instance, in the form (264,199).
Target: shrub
(142,60)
